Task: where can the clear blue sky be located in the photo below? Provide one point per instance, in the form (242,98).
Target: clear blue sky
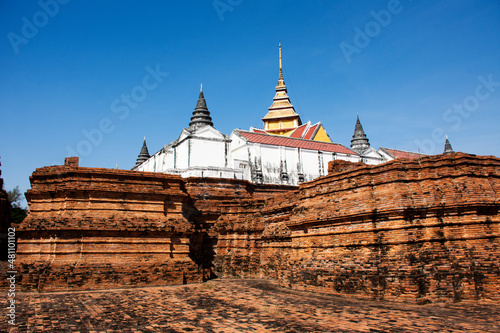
(409,68)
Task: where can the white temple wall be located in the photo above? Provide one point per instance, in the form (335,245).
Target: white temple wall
(270,163)
(310,164)
(148,165)
(169,159)
(207,153)
(182,155)
(291,156)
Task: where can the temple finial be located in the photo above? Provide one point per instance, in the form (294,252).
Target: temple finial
(143,155)
(201,115)
(447,147)
(281,110)
(201,87)
(281,67)
(359,142)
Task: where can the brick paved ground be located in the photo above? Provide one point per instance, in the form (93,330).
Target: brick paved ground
(237,306)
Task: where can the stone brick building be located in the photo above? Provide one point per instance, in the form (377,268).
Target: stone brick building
(424,230)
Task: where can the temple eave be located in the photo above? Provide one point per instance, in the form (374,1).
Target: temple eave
(270,131)
(280,117)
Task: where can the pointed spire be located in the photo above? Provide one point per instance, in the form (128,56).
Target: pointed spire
(359,142)
(447,147)
(281,67)
(281,81)
(281,109)
(143,155)
(201,115)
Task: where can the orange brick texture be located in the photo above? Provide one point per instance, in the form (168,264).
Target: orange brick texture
(409,230)
(92,228)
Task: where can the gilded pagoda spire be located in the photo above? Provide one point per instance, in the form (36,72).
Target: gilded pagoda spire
(281,66)
(281,118)
(281,81)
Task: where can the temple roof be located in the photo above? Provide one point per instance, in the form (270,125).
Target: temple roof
(275,140)
(144,154)
(201,115)
(300,131)
(395,153)
(447,147)
(359,142)
(281,107)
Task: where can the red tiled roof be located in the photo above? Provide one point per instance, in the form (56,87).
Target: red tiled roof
(402,153)
(299,131)
(276,140)
(310,132)
(280,129)
(257,130)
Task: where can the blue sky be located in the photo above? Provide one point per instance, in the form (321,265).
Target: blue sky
(413,70)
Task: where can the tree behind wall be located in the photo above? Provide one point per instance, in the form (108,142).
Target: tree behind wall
(18,212)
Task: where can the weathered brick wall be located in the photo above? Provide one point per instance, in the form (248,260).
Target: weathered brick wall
(211,197)
(102,228)
(419,231)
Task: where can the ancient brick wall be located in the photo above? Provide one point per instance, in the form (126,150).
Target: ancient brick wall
(91,228)
(100,228)
(420,231)
(209,198)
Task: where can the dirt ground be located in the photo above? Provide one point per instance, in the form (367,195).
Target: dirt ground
(236,306)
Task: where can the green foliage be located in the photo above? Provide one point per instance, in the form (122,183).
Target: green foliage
(15,196)
(18,212)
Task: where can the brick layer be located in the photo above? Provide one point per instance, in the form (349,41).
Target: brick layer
(418,231)
(410,230)
(246,305)
(93,228)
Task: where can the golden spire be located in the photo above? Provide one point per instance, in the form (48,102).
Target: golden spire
(281,118)
(281,81)
(281,67)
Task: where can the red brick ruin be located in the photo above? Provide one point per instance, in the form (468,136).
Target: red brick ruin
(417,231)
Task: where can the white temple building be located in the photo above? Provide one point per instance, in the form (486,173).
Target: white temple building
(285,151)
(200,150)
